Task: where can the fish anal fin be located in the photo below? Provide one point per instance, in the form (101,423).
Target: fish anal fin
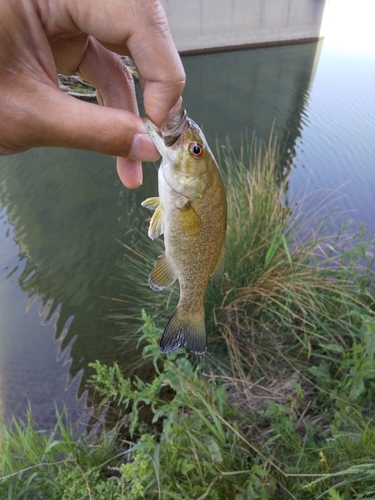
(184,329)
(151,203)
(156,224)
(163,274)
(219,269)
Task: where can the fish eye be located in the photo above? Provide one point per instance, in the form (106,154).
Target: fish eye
(196,149)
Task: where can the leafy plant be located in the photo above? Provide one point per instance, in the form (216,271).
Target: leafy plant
(198,453)
(203,441)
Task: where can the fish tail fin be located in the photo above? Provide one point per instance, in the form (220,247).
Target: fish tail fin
(184,329)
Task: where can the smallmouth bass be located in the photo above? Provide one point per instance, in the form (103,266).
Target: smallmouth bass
(191,212)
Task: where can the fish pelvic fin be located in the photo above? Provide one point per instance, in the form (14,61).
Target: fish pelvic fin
(219,269)
(163,274)
(157,223)
(151,203)
(184,329)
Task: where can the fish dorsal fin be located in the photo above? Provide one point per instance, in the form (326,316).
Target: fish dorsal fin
(151,203)
(157,223)
(163,275)
(219,269)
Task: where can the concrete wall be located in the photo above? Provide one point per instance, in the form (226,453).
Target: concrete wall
(203,25)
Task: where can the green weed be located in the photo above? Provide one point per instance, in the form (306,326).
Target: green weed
(203,441)
(197,454)
(55,464)
(211,445)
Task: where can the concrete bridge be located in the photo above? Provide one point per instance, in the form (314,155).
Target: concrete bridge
(211,25)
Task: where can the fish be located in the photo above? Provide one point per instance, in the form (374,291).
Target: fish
(191,212)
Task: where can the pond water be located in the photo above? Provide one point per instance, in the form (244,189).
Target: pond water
(64,212)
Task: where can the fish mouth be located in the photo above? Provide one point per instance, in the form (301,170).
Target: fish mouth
(175,127)
(168,136)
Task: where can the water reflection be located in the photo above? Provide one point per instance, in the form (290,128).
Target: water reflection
(33,365)
(253,90)
(65,210)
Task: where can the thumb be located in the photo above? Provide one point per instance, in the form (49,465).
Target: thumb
(48,117)
(64,121)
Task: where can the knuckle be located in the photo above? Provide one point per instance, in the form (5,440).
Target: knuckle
(157,14)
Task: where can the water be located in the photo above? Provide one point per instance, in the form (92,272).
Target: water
(336,148)
(63,212)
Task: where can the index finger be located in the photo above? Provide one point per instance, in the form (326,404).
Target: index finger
(140,27)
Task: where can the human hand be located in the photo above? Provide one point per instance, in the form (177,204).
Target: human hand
(39,38)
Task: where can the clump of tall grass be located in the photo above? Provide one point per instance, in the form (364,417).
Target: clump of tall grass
(293,289)
(58,463)
(257,216)
(288,282)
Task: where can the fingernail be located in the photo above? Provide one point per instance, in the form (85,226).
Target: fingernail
(143,148)
(130,172)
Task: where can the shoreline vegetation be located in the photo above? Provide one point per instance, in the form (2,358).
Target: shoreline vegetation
(281,407)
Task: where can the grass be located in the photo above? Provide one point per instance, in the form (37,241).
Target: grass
(285,274)
(283,404)
(201,443)
(55,464)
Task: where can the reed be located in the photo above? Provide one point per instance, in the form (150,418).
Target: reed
(287,280)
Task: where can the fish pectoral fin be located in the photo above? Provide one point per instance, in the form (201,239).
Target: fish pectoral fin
(189,221)
(151,203)
(184,329)
(219,269)
(163,275)
(156,224)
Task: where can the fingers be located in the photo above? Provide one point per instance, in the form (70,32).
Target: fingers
(36,113)
(141,28)
(158,63)
(69,122)
(115,89)
(48,117)
(130,172)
